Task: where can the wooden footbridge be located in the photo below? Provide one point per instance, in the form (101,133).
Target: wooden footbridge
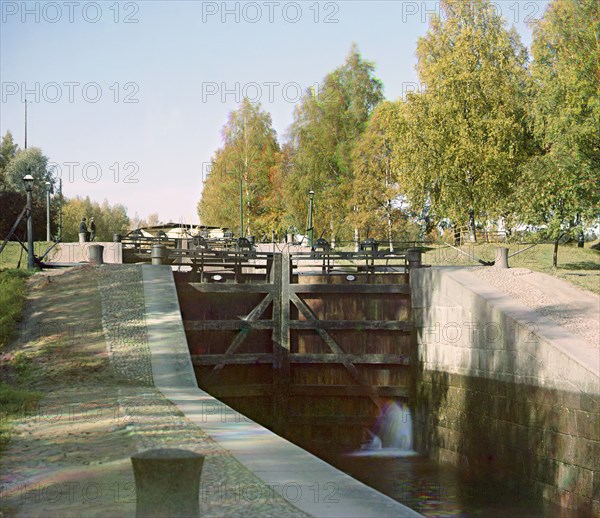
(310,344)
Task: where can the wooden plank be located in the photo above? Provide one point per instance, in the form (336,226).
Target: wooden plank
(232,288)
(228,325)
(401,289)
(236,359)
(349,390)
(332,344)
(362,421)
(250,390)
(387,359)
(281,346)
(359,325)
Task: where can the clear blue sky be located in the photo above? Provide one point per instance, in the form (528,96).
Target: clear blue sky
(129,98)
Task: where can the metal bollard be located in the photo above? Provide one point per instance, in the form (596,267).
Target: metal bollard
(167,483)
(158,254)
(96,254)
(501,260)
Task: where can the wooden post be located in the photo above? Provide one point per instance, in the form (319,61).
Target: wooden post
(281,342)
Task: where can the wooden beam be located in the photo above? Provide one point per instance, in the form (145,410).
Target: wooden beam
(365,421)
(348,390)
(232,288)
(227,325)
(250,390)
(358,325)
(401,289)
(281,346)
(374,359)
(235,359)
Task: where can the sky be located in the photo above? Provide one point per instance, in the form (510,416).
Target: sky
(127,99)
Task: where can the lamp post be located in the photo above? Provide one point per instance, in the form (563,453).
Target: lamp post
(311,195)
(60,199)
(28,180)
(48,184)
(241,208)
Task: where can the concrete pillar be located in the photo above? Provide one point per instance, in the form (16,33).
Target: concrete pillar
(501,257)
(95,254)
(167,483)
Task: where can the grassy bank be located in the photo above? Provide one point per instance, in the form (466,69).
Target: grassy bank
(12,302)
(14,256)
(15,398)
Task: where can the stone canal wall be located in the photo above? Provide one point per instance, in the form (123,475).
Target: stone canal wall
(504,392)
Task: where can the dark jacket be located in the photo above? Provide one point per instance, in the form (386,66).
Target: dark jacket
(82,227)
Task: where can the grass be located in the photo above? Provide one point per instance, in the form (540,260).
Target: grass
(579,266)
(15,257)
(16,403)
(12,302)
(15,399)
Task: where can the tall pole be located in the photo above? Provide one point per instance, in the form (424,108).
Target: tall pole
(47,211)
(311,195)
(29,187)
(241,209)
(60,231)
(25,123)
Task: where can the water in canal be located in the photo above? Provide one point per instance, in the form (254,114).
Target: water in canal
(387,463)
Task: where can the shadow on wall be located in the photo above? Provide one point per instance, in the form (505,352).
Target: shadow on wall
(480,404)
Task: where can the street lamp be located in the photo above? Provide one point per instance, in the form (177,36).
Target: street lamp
(311,195)
(48,184)
(28,180)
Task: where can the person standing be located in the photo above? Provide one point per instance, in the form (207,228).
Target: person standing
(82,231)
(92,229)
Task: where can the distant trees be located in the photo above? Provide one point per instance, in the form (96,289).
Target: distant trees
(561,181)
(327,125)
(109,219)
(15,163)
(376,188)
(27,161)
(243,172)
(491,138)
(468,132)
(8,150)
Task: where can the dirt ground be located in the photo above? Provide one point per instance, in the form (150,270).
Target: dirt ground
(67,451)
(70,455)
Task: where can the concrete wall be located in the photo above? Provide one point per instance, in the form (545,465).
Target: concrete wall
(76,253)
(505,393)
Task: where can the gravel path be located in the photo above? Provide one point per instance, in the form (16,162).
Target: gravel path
(70,457)
(570,307)
(124,322)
